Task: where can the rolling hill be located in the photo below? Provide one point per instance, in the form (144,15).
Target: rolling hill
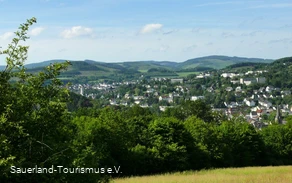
(219,62)
(97,69)
(215,61)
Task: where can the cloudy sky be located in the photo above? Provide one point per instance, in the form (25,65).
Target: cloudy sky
(128,30)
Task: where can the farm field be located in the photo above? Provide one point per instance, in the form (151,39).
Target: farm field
(185,74)
(280,174)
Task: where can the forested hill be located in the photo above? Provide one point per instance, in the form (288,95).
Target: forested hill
(216,62)
(280,73)
(219,62)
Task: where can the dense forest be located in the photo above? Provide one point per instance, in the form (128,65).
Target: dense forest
(41,126)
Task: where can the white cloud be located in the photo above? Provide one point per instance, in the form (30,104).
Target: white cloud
(36,31)
(76,32)
(164,48)
(150,28)
(6,35)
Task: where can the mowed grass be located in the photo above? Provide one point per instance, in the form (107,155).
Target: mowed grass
(280,174)
(185,74)
(143,70)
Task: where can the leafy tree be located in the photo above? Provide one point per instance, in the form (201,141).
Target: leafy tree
(170,144)
(240,144)
(278,146)
(205,139)
(191,108)
(34,123)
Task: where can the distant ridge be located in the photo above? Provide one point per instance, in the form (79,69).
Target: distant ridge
(219,61)
(213,61)
(44,63)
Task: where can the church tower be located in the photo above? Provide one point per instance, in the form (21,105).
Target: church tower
(278,118)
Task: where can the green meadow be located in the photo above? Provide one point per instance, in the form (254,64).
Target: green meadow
(280,174)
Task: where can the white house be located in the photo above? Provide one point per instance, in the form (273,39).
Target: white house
(163,108)
(176,80)
(229,89)
(249,102)
(247,81)
(265,103)
(194,98)
(285,92)
(269,89)
(249,72)
(261,80)
(113,102)
(238,89)
(226,75)
(234,81)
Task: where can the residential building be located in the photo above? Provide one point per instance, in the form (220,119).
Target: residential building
(194,98)
(176,80)
(261,80)
(247,81)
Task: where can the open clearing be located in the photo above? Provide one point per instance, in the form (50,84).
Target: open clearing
(280,174)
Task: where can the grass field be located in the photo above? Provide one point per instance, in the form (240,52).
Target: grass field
(281,174)
(143,70)
(185,74)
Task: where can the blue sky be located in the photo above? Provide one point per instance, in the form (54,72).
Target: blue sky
(129,30)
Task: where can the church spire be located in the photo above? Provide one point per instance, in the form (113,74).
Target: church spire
(278,118)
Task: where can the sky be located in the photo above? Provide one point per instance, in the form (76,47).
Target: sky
(162,30)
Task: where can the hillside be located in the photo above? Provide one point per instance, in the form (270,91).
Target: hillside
(280,73)
(214,61)
(44,63)
(96,70)
(245,66)
(219,62)
(144,66)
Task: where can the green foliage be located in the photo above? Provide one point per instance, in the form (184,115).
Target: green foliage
(279,74)
(35,126)
(169,144)
(191,108)
(218,62)
(78,101)
(197,69)
(205,138)
(241,145)
(278,147)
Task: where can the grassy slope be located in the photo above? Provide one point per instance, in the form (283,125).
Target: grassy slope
(218,62)
(281,174)
(142,65)
(185,74)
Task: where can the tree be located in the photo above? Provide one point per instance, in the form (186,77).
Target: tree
(277,140)
(240,144)
(191,108)
(206,140)
(35,128)
(170,144)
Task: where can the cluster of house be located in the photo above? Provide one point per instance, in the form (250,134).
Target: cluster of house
(130,99)
(259,105)
(231,74)
(80,88)
(203,75)
(245,80)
